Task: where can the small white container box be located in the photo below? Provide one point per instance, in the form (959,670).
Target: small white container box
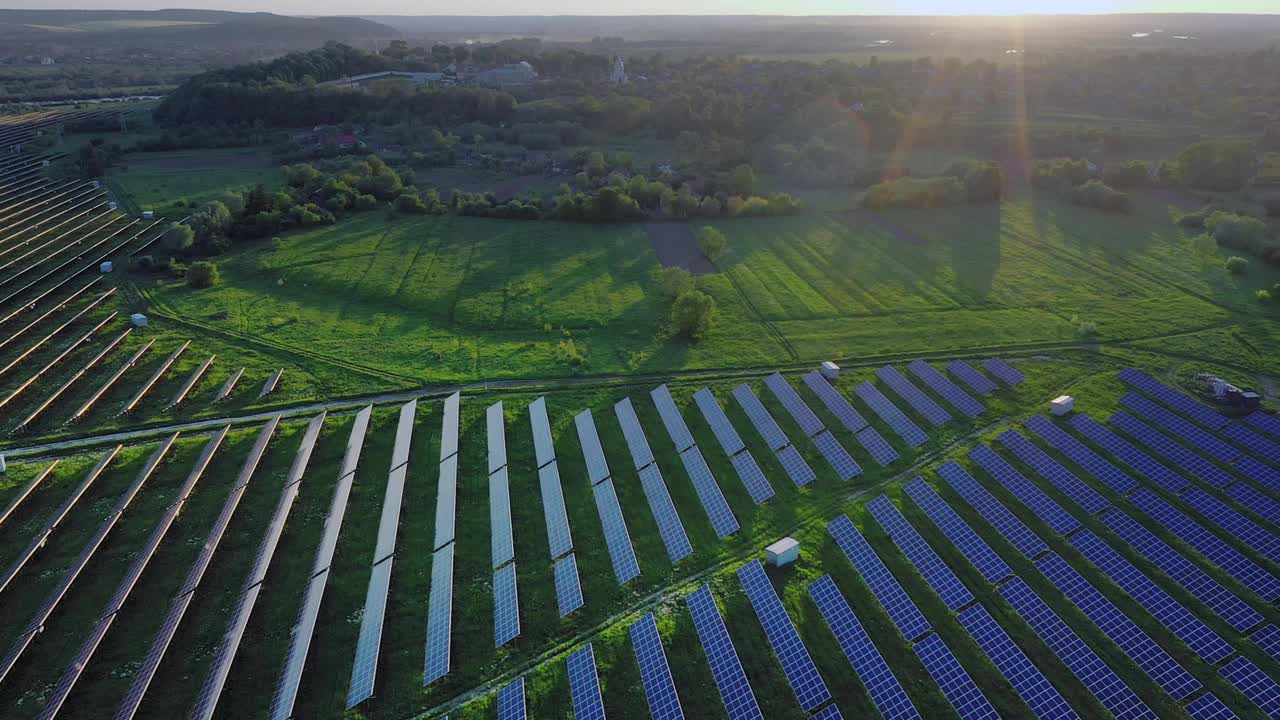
(148,214)
(829,370)
(1062,405)
(138,320)
(4,467)
(782,552)
(106,266)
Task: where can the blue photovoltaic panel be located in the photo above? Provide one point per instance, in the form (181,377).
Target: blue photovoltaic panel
(1079,658)
(830,712)
(892,597)
(836,403)
(1059,520)
(795,466)
(881,451)
(365,667)
(760,417)
(584,685)
(709,494)
(497,437)
(752,477)
(1204,588)
(506,606)
(838,458)
(1174,399)
(904,426)
(446,501)
(735,690)
(503,546)
(449,426)
(672,420)
(592,453)
(1267,637)
(1209,707)
(1177,454)
(942,385)
(809,423)
(1180,428)
(568,589)
(973,547)
(976,381)
(1147,466)
(1252,441)
(1078,453)
(907,390)
(1264,422)
(1006,523)
(1061,478)
(1255,684)
(1113,623)
(1237,525)
(1262,474)
(1003,370)
(1256,502)
(439,616)
(655,673)
(1213,548)
(803,675)
(1032,686)
(935,572)
(1202,640)
(729,439)
(664,513)
(558,537)
(511,701)
(961,692)
(542,444)
(641,455)
(885,690)
(616,537)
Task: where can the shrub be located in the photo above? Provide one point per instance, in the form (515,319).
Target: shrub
(1237,265)
(1060,173)
(1099,195)
(1263,295)
(910,192)
(179,238)
(983,180)
(1216,165)
(712,242)
(202,274)
(693,314)
(1133,174)
(1239,232)
(675,281)
(1196,219)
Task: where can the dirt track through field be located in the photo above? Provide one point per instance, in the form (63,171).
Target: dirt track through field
(675,246)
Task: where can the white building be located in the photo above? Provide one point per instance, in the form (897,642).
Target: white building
(618,76)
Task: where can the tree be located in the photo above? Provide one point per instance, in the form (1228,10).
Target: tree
(712,242)
(675,282)
(1221,165)
(202,274)
(179,238)
(693,313)
(742,180)
(1237,265)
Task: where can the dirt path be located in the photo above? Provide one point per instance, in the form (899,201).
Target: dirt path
(675,246)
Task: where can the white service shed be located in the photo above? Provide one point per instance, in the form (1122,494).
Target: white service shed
(782,552)
(106,266)
(1062,405)
(829,370)
(138,320)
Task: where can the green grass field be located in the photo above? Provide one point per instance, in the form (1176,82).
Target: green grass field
(159,180)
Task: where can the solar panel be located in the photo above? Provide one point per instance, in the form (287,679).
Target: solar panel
(558,537)
(735,690)
(543,447)
(907,390)
(1258,472)
(1237,525)
(760,418)
(1113,623)
(1079,658)
(830,712)
(664,513)
(446,501)
(752,477)
(1058,520)
(439,616)
(1147,466)
(641,455)
(506,606)
(568,589)
(616,537)
(503,546)
(803,675)
(1031,685)
(1174,399)
(904,426)
(365,667)
(881,451)
(809,423)
(1180,428)
(1078,453)
(1252,441)
(729,439)
(511,704)
(1266,423)
(942,385)
(885,690)
(795,466)
(961,692)
(709,494)
(1267,637)
(1006,523)
(1003,371)
(497,437)
(1209,707)
(1207,544)
(449,426)
(973,547)
(935,572)
(976,381)
(1255,684)
(836,403)
(26,491)
(584,685)
(1169,612)
(904,613)
(1053,471)
(1164,446)
(592,453)
(655,673)
(845,467)
(671,418)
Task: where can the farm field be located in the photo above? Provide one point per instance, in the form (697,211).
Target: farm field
(159,180)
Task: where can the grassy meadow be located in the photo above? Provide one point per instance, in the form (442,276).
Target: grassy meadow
(160,180)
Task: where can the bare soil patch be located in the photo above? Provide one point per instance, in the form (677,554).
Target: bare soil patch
(676,246)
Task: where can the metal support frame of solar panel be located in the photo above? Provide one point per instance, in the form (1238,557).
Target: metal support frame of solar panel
(670,528)
(1255,501)
(942,385)
(677,430)
(1255,684)
(1209,707)
(1210,546)
(881,684)
(882,406)
(67,226)
(269,386)
(584,684)
(60,267)
(956,684)
(61,304)
(633,433)
(935,572)
(752,477)
(1264,475)
(1146,466)
(229,385)
(1031,684)
(1202,640)
(592,452)
(102,390)
(286,692)
(1079,658)
(811,692)
(1116,625)
(976,550)
(808,423)
(142,391)
(190,382)
(1252,441)
(616,537)
(879,448)
(1003,371)
(735,690)
(976,381)
(1187,406)
(760,418)
(506,605)
(915,397)
(1061,478)
(1045,508)
(568,589)
(895,601)
(1267,423)
(709,495)
(1233,523)
(559,538)
(655,672)
(1080,454)
(511,705)
(75,345)
(1183,429)
(26,491)
(439,616)
(837,404)
(1173,451)
(992,510)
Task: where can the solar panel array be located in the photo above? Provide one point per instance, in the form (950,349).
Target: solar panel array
(1267,637)
(841,462)
(709,495)
(496,434)
(1180,428)
(904,613)
(1255,684)
(1003,371)
(935,572)
(559,539)
(1006,523)
(881,451)
(446,502)
(584,685)
(1053,471)
(749,472)
(992,567)
(1147,466)
(942,385)
(904,426)
(655,673)
(1078,453)
(1032,686)
(976,381)
(506,605)
(616,537)
(641,454)
(1255,501)
(1237,525)
(830,712)
(1171,450)
(885,690)
(511,705)
(760,418)
(1264,422)
(568,589)
(735,690)
(961,691)
(923,404)
(1262,474)
(543,447)
(439,616)
(1174,399)
(1059,520)
(752,477)
(558,536)
(1209,707)
(592,452)
(809,423)
(671,418)
(796,467)
(664,513)
(798,666)
(836,403)
(502,549)
(1253,442)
